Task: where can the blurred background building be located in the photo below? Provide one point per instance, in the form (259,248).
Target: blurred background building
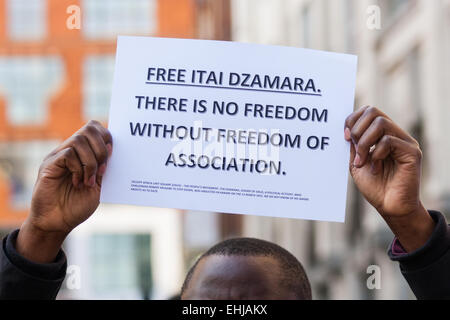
(55,75)
(404,69)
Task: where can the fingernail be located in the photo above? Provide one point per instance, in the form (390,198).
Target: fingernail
(357,161)
(109,147)
(347,134)
(92,181)
(102,169)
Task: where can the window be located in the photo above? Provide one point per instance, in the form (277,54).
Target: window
(13,169)
(105,19)
(98,74)
(27,83)
(121,265)
(26,19)
(19,162)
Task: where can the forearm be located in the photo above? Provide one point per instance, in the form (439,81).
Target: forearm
(38,246)
(426,269)
(412,230)
(21,278)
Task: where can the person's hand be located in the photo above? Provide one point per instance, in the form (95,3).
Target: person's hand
(66,193)
(385,163)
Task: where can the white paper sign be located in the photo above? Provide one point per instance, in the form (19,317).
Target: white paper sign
(230,127)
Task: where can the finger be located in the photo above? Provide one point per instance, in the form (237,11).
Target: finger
(109,147)
(399,150)
(98,145)
(352,118)
(371,115)
(104,133)
(352,155)
(107,141)
(87,158)
(67,159)
(366,119)
(379,127)
(99,179)
(370,137)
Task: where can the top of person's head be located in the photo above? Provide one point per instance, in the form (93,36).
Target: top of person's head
(246,268)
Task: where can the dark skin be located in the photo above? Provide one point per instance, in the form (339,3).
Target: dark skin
(389,175)
(67,192)
(233,277)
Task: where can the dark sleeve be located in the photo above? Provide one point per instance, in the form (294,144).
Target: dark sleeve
(427,270)
(24,279)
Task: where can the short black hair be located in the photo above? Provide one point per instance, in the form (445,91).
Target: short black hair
(294,277)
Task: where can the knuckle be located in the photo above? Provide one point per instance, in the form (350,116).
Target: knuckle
(91,129)
(354,133)
(103,155)
(95,128)
(386,140)
(372,111)
(380,121)
(364,108)
(105,134)
(93,123)
(108,135)
(418,153)
(69,153)
(348,121)
(79,140)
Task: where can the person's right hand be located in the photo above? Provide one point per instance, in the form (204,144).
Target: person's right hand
(66,193)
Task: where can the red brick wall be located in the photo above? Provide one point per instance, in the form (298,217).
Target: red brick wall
(176,18)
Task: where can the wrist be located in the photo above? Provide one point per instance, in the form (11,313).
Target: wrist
(413,229)
(38,245)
